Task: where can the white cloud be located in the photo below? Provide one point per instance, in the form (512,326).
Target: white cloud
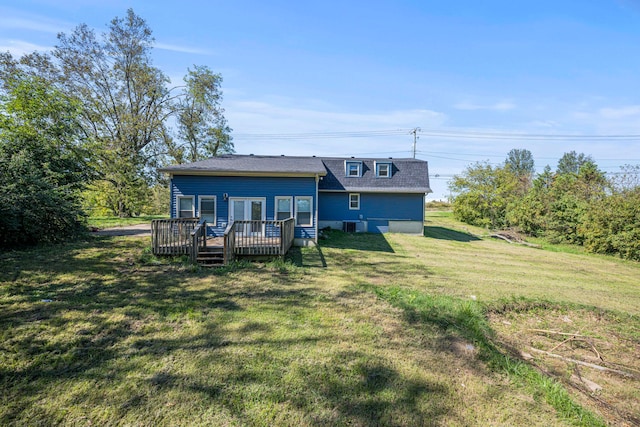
(498,106)
(249,118)
(10,20)
(264,116)
(625,112)
(19,48)
(182,49)
(545,124)
(608,120)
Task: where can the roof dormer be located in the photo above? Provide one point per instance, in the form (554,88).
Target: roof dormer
(384,169)
(353,168)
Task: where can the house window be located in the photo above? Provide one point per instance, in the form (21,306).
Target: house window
(303,211)
(354,201)
(353,169)
(207,209)
(284,208)
(185,207)
(383,170)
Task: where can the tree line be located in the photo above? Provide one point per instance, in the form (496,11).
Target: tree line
(577,203)
(87,125)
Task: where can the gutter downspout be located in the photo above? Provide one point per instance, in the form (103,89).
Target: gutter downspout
(315,238)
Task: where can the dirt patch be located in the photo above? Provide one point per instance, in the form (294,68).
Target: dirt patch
(128,230)
(595,354)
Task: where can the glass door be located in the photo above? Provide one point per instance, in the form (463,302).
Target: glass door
(245,210)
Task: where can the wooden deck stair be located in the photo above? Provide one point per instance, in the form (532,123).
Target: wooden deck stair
(211,256)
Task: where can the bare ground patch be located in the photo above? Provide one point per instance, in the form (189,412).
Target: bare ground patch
(595,354)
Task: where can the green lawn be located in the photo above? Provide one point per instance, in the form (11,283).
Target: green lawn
(114,221)
(364,330)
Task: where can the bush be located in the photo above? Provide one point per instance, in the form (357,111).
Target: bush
(611,225)
(42,166)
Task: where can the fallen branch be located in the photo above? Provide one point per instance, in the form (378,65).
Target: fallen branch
(572,337)
(568,334)
(511,239)
(563,342)
(587,364)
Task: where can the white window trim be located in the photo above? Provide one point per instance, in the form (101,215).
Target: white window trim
(215,208)
(389,165)
(275,205)
(249,199)
(295,203)
(346,168)
(193,204)
(352,208)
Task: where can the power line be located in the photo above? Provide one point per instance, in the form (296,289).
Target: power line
(462,134)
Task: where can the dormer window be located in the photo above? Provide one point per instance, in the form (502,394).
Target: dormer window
(383,170)
(353,169)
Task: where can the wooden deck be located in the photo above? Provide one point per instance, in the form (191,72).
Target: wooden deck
(187,236)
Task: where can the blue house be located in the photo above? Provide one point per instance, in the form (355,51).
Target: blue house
(351,194)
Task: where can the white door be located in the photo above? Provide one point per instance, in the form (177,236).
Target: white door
(248,209)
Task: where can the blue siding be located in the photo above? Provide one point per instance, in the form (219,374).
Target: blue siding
(373,206)
(257,187)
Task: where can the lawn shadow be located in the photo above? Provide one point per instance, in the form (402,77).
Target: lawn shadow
(311,256)
(363,389)
(442,233)
(358,241)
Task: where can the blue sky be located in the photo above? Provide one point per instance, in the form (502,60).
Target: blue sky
(353,77)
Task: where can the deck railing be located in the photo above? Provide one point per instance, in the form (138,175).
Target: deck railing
(229,243)
(263,237)
(172,236)
(287,233)
(188,236)
(198,239)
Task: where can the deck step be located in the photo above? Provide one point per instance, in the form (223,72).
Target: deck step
(211,249)
(210,256)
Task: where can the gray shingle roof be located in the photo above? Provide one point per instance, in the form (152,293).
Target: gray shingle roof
(250,164)
(408,176)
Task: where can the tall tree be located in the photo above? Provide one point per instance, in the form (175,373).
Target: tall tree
(520,163)
(125,103)
(201,122)
(571,162)
(124,97)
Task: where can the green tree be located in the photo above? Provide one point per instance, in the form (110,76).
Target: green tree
(125,104)
(42,164)
(530,214)
(125,101)
(557,203)
(571,162)
(482,194)
(611,225)
(520,163)
(202,127)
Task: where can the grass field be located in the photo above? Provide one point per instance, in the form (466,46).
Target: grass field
(114,221)
(363,330)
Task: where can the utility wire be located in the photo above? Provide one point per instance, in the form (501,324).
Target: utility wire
(437,133)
